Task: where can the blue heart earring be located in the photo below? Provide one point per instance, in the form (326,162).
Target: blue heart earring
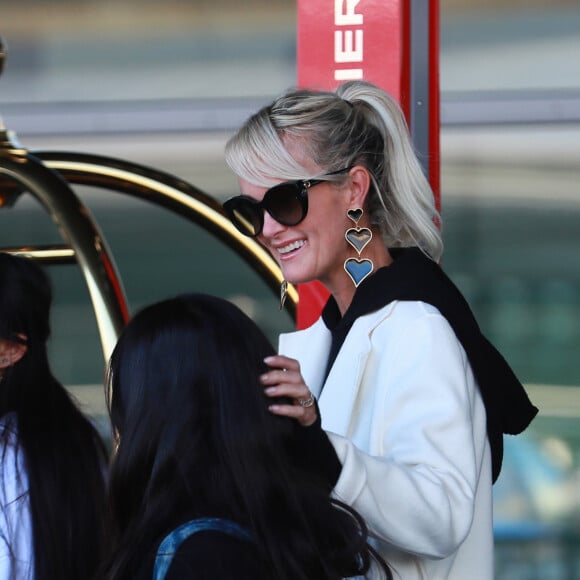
(358,268)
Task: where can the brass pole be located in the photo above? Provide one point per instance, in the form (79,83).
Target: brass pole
(78,228)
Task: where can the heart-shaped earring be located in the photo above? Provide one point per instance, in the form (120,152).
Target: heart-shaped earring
(355,215)
(358,238)
(283,293)
(358,270)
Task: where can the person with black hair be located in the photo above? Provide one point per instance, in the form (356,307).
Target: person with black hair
(205,481)
(53,460)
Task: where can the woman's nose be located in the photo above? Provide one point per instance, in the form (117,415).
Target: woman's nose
(271,226)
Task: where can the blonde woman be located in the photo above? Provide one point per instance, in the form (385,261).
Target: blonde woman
(414,399)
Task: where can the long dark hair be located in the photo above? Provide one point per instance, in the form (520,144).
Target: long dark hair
(195,438)
(64,454)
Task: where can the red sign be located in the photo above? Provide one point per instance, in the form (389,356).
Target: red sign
(380,41)
(350,39)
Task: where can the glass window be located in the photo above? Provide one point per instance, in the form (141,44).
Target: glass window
(164,84)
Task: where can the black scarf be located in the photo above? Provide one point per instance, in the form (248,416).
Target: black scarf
(413,276)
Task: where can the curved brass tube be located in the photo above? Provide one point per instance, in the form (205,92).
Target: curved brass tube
(53,254)
(172,193)
(78,228)
(46,176)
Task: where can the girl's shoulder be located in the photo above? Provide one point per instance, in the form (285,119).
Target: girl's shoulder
(213,554)
(11,451)
(9,421)
(13,478)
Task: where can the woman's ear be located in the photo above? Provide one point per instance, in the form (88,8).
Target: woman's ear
(360,183)
(11,352)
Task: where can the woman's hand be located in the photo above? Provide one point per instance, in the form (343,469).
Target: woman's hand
(285,380)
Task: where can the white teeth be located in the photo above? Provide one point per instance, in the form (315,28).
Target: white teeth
(291,247)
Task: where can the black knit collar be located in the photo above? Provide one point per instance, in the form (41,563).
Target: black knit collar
(414,276)
(379,289)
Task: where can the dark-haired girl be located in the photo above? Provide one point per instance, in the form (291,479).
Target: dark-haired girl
(52,459)
(206,482)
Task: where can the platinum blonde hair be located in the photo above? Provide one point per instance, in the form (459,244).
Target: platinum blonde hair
(358,124)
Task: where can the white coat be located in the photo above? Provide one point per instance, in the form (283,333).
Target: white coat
(404,413)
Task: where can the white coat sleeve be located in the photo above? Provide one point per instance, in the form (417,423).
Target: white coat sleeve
(417,491)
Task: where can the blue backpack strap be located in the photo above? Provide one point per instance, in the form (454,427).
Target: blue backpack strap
(174,539)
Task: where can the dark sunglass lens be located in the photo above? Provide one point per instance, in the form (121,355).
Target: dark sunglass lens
(284,204)
(246,217)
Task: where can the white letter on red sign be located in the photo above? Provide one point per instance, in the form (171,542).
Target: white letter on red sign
(348,51)
(348,17)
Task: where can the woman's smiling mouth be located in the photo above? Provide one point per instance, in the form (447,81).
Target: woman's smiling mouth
(290,247)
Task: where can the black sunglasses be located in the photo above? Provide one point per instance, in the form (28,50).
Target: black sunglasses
(286,202)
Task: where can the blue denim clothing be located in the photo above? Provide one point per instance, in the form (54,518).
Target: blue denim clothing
(173,540)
